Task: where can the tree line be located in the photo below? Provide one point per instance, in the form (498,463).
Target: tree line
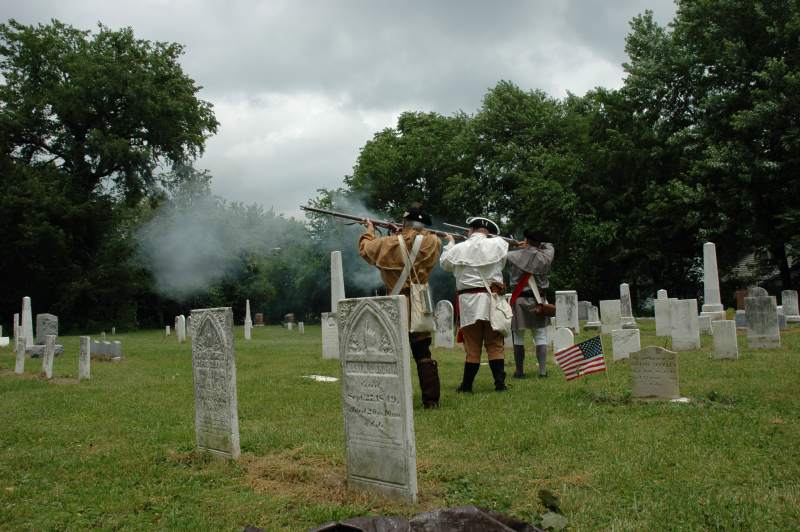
(99,130)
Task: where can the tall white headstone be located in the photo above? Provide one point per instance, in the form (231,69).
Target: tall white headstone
(330,336)
(248,321)
(790,306)
(19,366)
(337,279)
(445,329)
(662,311)
(376,394)
(27,321)
(49,355)
(216,416)
(684,326)
(725,344)
(763,331)
(712,302)
(166,330)
(180,331)
(625,342)
(610,315)
(17,326)
(626,305)
(562,339)
(301,327)
(85,359)
(567,310)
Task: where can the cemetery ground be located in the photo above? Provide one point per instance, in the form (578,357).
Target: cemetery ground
(118,451)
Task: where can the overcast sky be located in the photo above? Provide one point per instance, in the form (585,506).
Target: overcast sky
(299,86)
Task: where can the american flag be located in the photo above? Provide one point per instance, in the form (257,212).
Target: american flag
(581,359)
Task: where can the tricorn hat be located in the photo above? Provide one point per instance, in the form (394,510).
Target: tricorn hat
(415,213)
(478,222)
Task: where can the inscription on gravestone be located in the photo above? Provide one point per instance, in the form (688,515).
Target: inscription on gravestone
(214,371)
(445,336)
(654,373)
(376,392)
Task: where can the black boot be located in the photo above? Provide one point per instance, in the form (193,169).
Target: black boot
(470,370)
(428,373)
(499,374)
(519,361)
(541,357)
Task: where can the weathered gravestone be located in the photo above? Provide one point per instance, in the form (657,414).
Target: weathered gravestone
(654,373)
(216,416)
(704,323)
(725,344)
(684,326)
(259,321)
(49,354)
(562,339)
(445,331)
(248,321)
(337,280)
(610,315)
(106,350)
(85,359)
(662,294)
(19,366)
(763,331)
(46,324)
(756,291)
(740,317)
(626,305)
(166,330)
(27,321)
(180,330)
(662,312)
(567,310)
(790,306)
(301,327)
(593,320)
(712,302)
(330,336)
(625,342)
(782,323)
(583,310)
(376,392)
(551,334)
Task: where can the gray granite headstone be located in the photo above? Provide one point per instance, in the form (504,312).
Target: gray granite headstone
(790,306)
(567,310)
(762,323)
(376,393)
(445,335)
(330,336)
(610,315)
(662,312)
(684,325)
(654,373)
(19,366)
(216,416)
(725,344)
(583,310)
(593,321)
(85,359)
(625,342)
(27,321)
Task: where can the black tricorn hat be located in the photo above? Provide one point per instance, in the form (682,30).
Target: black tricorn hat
(415,213)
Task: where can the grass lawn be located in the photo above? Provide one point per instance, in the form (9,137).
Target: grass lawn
(118,451)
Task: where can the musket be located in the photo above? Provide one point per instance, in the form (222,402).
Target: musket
(507,239)
(391,226)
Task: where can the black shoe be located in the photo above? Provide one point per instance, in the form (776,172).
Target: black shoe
(519,361)
(499,374)
(470,370)
(519,375)
(464,389)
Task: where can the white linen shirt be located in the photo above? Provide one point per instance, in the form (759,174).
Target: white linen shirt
(468,260)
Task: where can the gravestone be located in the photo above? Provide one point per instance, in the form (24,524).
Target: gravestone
(85,359)
(725,344)
(301,327)
(583,310)
(662,312)
(662,294)
(684,326)
(180,330)
(27,322)
(166,330)
(551,334)
(626,305)
(625,342)
(562,339)
(593,320)
(610,315)
(712,302)
(567,310)
(337,279)
(16,325)
(113,331)
(259,321)
(4,341)
(376,393)
(189,330)
(762,323)
(741,319)
(106,350)
(782,323)
(37,350)
(216,415)
(330,336)
(790,306)
(755,291)
(445,330)
(103,335)
(49,354)
(46,324)
(19,366)
(290,325)
(654,373)
(248,321)
(704,323)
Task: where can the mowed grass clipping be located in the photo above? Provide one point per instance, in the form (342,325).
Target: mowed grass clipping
(118,451)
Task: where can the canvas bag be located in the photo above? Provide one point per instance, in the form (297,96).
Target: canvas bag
(500,312)
(420,296)
(542,308)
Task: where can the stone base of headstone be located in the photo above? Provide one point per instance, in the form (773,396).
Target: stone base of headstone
(714,315)
(630,325)
(37,350)
(725,343)
(628,322)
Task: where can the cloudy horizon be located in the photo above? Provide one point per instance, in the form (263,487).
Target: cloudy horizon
(299,87)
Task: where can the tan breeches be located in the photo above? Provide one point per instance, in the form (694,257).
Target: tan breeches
(478,335)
